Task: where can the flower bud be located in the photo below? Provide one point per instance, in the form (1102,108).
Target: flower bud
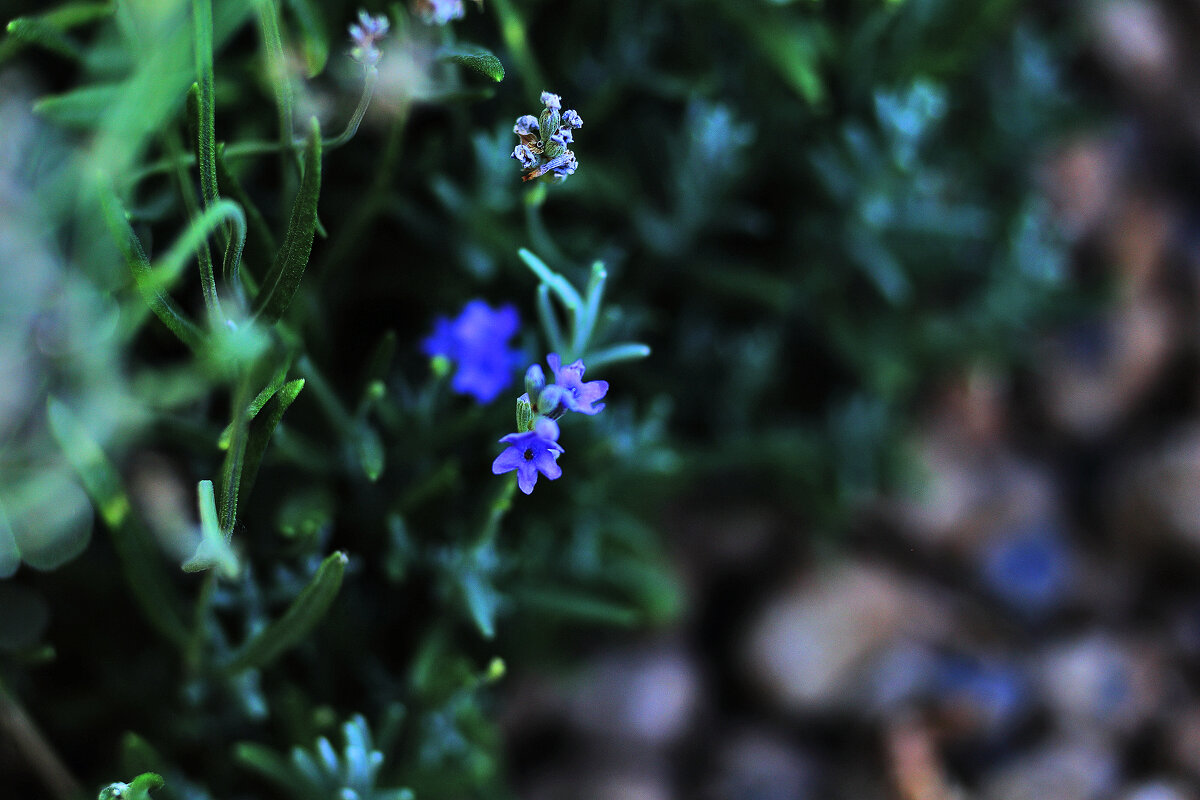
(550,400)
(535,380)
(524,414)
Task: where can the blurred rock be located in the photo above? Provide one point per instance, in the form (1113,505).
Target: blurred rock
(1092,378)
(808,645)
(1100,683)
(755,766)
(1083,769)
(648,697)
(1156,497)
(1158,790)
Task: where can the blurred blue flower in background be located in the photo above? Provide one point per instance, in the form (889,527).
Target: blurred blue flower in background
(477,342)
(1031,569)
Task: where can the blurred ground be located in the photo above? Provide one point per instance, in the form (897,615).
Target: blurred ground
(1027,624)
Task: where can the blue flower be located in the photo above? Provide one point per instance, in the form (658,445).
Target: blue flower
(477,343)
(577,395)
(530,453)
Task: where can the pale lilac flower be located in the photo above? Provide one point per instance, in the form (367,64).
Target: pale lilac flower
(527,125)
(439,12)
(530,453)
(551,101)
(577,395)
(477,342)
(523,154)
(364,34)
(571,118)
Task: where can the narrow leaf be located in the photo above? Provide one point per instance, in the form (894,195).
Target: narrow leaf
(261,430)
(213,550)
(314,36)
(83,108)
(131,249)
(560,285)
(42,33)
(271,766)
(283,280)
(617,352)
(477,58)
(482,602)
(308,609)
(133,544)
(575,605)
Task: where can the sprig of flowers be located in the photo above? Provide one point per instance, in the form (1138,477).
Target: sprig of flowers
(542,151)
(534,448)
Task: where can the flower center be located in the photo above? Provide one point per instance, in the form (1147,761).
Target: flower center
(529,454)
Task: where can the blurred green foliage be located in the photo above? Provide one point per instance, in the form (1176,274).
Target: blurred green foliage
(810,210)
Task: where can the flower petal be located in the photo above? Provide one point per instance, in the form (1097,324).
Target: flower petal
(545,463)
(526,477)
(510,459)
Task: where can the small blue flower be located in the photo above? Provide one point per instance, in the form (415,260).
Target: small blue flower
(477,342)
(571,118)
(577,395)
(551,101)
(530,453)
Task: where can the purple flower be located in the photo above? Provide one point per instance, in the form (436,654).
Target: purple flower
(530,453)
(364,34)
(577,395)
(571,118)
(551,101)
(477,343)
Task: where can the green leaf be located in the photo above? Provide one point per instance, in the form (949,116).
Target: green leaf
(564,602)
(47,30)
(271,766)
(206,144)
(139,789)
(557,283)
(98,474)
(617,352)
(10,553)
(262,428)
(474,57)
(314,36)
(308,609)
(136,550)
(159,301)
(83,108)
(284,278)
(256,405)
(482,601)
(370,452)
(277,68)
(213,550)
(40,32)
